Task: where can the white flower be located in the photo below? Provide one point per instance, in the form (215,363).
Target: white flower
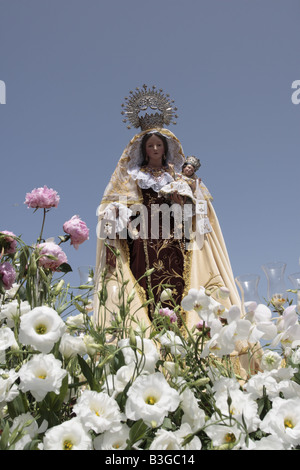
(91,346)
(260,317)
(26,424)
(151,398)
(289,389)
(183,432)
(8,388)
(13,310)
(200,302)
(113,440)
(242,327)
(283,420)
(145,354)
(270,360)
(168,440)
(261,383)
(222,340)
(223,293)
(41,328)
(69,435)
(240,406)
(98,411)
(75,321)
(193,415)
(172,342)
(267,443)
(40,375)
(7,339)
(296,356)
(225,433)
(115,384)
(165,440)
(70,346)
(166,295)
(225,385)
(288,329)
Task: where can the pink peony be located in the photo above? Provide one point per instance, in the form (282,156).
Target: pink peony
(7,275)
(42,198)
(77,230)
(9,243)
(166,312)
(53,250)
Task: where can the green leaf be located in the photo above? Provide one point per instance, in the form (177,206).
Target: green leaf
(64,268)
(87,372)
(137,432)
(33,445)
(4,437)
(57,400)
(18,406)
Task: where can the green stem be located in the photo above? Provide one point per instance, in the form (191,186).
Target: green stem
(43,224)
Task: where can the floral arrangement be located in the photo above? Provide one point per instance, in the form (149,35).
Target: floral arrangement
(232,382)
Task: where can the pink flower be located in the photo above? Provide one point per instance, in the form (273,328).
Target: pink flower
(58,257)
(7,275)
(77,230)
(166,312)
(9,243)
(42,198)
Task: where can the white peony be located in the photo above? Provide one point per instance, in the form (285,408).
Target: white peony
(151,398)
(41,328)
(98,412)
(40,375)
(69,435)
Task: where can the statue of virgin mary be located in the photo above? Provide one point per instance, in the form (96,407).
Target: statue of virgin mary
(171,235)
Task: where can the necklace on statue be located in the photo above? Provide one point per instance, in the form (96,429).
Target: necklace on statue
(155,172)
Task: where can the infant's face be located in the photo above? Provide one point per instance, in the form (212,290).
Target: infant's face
(188,170)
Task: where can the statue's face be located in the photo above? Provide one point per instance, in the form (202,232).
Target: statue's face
(155,150)
(188,170)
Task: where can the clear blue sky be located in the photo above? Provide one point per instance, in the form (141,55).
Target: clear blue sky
(229,65)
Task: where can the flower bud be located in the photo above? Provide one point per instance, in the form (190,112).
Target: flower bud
(58,287)
(166,295)
(132,338)
(223,293)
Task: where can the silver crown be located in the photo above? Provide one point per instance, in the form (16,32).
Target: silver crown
(145,98)
(193,161)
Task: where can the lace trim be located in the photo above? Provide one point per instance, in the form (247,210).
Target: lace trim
(147,180)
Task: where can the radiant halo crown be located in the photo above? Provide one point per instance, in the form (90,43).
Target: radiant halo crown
(143,98)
